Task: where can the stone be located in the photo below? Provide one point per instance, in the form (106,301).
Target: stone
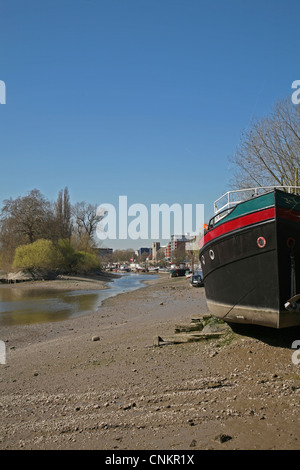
(223,438)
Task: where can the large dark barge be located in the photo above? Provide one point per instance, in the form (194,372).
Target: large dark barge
(250,257)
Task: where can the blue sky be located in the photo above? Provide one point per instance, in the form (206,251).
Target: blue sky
(144,98)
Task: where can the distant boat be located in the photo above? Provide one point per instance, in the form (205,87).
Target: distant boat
(175,272)
(250,257)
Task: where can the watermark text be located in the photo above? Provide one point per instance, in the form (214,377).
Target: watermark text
(2,92)
(296,354)
(136,221)
(296,94)
(2,353)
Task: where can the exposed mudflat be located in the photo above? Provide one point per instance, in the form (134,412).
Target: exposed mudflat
(97,381)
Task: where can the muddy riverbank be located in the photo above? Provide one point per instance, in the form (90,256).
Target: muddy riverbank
(98,382)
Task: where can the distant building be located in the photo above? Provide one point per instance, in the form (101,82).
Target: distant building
(168,250)
(176,245)
(177,241)
(155,248)
(105,251)
(145,250)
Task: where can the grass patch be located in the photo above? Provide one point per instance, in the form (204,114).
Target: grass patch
(227,339)
(212,320)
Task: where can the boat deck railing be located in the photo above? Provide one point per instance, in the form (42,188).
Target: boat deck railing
(230,199)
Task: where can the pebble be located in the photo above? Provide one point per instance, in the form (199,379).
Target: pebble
(223,438)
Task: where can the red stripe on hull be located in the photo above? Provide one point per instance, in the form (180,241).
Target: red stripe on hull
(237,223)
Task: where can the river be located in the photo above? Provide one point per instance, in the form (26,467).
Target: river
(22,307)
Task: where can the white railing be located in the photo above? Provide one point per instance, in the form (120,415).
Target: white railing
(232,198)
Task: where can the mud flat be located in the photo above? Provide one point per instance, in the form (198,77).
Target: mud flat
(99,382)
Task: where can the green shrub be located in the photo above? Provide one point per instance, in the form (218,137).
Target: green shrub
(86,262)
(38,255)
(61,256)
(67,257)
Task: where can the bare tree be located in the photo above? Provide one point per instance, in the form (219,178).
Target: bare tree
(269,153)
(85,221)
(23,220)
(27,216)
(125,255)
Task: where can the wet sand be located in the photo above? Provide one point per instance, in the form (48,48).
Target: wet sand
(97,381)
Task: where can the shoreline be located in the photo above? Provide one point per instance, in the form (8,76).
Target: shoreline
(66,282)
(70,284)
(98,382)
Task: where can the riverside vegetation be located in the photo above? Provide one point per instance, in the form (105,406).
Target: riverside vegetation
(56,237)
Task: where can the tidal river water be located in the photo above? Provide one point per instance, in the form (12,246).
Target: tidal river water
(21,307)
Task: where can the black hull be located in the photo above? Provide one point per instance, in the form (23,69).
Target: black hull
(246,282)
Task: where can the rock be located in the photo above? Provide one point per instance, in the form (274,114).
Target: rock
(129,406)
(193,443)
(223,438)
(213,354)
(211,328)
(96,338)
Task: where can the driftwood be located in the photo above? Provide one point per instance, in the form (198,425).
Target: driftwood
(199,329)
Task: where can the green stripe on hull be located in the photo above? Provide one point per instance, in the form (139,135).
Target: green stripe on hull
(252,205)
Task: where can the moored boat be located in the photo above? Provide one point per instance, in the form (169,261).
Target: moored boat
(250,257)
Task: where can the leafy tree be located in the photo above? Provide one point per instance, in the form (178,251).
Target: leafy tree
(60,257)
(38,255)
(86,262)
(67,258)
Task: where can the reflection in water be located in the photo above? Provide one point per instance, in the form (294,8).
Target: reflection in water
(18,306)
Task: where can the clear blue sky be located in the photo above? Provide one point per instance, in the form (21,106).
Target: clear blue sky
(144,98)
